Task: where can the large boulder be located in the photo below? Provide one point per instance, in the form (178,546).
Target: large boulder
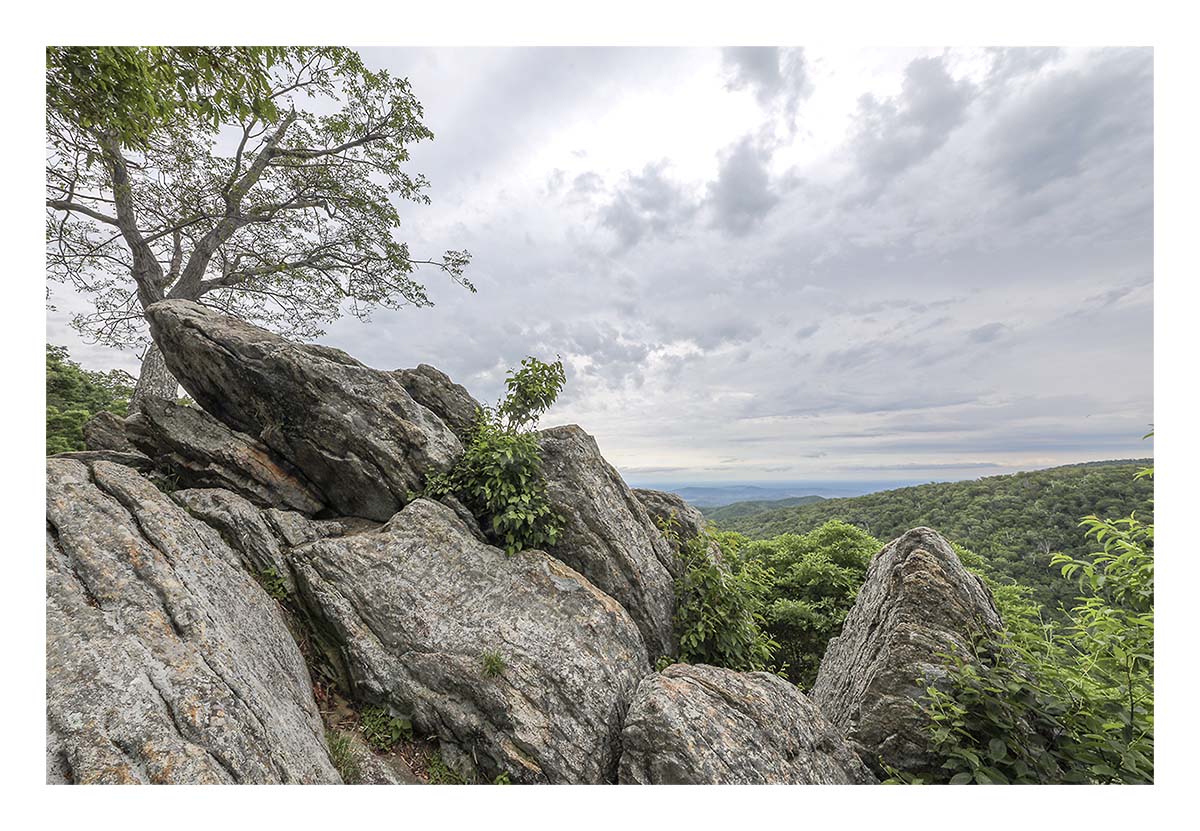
(701,725)
(608,536)
(106,431)
(137,461)
(165,661)
(917,604)
(449,401)
(197,451)
(352,431)
(417,609)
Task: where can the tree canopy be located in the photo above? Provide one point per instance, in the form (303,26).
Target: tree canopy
(74,395)
(262,181)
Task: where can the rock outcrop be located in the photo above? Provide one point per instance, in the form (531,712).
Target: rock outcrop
(165,661)
(917,604)
(701,725)
(412,611)
(354,432)
(196,451)
(608,536)
(449,401)
(106,431)
(137,461)
(681,523)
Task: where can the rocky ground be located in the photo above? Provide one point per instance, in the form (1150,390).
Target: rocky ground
(230,588)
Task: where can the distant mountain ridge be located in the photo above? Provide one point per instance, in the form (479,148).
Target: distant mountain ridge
(724,513)
(712,496)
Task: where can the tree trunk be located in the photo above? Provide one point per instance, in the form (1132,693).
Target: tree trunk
(155,380)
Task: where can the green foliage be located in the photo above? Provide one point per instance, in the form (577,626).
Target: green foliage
(502,779)
(273,584)
(74,395)
(382,730)
(493,664)
(341,753)
(499,477)
(719,606)
(815,578)
(133,91)
(1015,523)
(441,774)
(1070,702)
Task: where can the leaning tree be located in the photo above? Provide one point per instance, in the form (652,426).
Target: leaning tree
(261,181)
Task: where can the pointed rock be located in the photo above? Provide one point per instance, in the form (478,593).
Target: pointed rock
(608,536)
(106,431)
(449,401)
(917,603)
(354,432)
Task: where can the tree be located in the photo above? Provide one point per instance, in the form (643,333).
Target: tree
(74,395)
(195,173)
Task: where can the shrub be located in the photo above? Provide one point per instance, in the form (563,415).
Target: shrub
(815,578)
(1047,703)
(498,477)
(441,774)
(342,756)
(718,614)
(273,583)
(382,730)
(493,664)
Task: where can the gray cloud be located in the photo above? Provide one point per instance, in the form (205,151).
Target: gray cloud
(742,194)
(647,203)
(776,76)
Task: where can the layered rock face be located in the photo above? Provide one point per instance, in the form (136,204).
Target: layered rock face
(196,450)
(608,536)
(355,433)
(106,431)
(165,661)
(701,725)
(683,522)
(414,607)
(917,604)
(449,401)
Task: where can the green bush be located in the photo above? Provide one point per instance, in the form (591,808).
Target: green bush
(382,730)
(718,612)
(499,477)
(74,395)
(493,664)
(1059,703)
(815,578)
(441,774)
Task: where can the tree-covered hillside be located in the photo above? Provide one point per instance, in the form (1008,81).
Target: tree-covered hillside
(724,513)
(1014,522)
(75,394)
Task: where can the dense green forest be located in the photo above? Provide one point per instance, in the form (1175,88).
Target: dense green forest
(75,394)
(722,514)
(1016,523)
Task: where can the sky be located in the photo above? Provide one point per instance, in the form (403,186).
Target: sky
(785,264)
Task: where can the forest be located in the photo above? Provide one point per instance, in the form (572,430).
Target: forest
(1015,523)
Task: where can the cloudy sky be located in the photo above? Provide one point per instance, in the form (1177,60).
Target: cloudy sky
(790,264)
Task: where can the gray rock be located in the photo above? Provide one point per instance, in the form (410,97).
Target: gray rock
(607,536)
(296,529)
(683,521)
(917,603)
(449,401)
(701,725)
(165,661)
(135,460)
(197,451)
(106,431)
(410,609)
(242,526)
(354,432)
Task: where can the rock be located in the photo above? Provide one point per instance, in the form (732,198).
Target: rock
(607,535)
(917,602)
(449,401)
(242,526)
(701,725)
(373,768)
(106,431)
(685,523)
(165,661)
(135,460)
(296,529)
(197,451)
(411,609)
(354,432)
(666,507)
